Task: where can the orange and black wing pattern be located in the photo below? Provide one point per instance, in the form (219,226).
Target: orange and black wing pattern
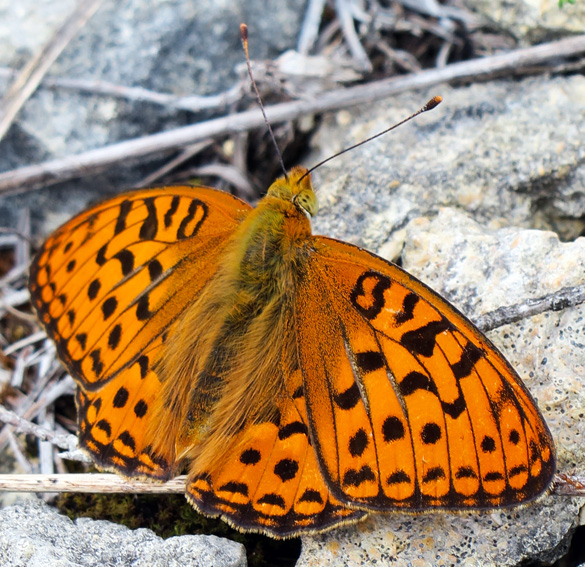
(409,405)
(109,287)
(272,482)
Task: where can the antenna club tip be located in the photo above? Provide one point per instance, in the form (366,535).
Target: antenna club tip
(435,101)
(244,31)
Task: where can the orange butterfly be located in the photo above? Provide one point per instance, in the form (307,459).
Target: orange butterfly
(302,381)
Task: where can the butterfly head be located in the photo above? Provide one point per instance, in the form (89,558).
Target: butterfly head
(297,188)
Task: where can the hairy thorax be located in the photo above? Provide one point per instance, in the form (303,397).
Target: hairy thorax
(236,362)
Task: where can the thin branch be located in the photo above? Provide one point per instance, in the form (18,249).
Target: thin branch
(561,299)
(11,235)
(21,425)
(47,173)
(31,339)
(563,484)
(18,452)
(310,28)
(228,173)
(186,154)
(31,75)
(357,50)
(139,94)
(100,483)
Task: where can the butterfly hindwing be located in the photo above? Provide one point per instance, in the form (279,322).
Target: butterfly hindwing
(113,429)
(272,481)
(409,405)
(108,287)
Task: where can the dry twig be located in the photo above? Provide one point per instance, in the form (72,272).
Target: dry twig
(22,425)
(30,177)
(193,103)
(310,28)
(556,301)
(563,484)
(345,18)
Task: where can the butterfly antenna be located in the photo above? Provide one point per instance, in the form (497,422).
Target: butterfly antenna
(435,101)
(244,35)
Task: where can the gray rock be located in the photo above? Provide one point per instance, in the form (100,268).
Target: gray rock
(171,46)
(509,153)
(34,535)
(530,21)
(458,202)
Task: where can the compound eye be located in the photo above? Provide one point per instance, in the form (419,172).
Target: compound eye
(306,202)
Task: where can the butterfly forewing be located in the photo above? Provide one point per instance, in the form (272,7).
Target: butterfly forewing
(108,287)
(409,405)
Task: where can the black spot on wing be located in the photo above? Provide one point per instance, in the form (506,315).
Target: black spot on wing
(143,364)
(370,303)
(349,398)
(488,444)
(100,258)
(286,469)
(534,452)
(126,259)
(358,442)
(149,226)
(416,381)
(93,289)
(408,305)
(515,471)
(369,361)
(114,337)
(492,476)
(422,341)
(140,408)
(398,477)
(392,429)
(194,207)
(97,365)
(353,477)
(125,207)
(105,426)
(142,309)
(431,433)
(456,408)
(120,398)
(235,488)
(470,355)
(433,474)
(250,457)
(293,428)
(154,269)
(298,393)
(311,495)
(465,472)
(108,307)
(170,213)
(273,500)
(127,439)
